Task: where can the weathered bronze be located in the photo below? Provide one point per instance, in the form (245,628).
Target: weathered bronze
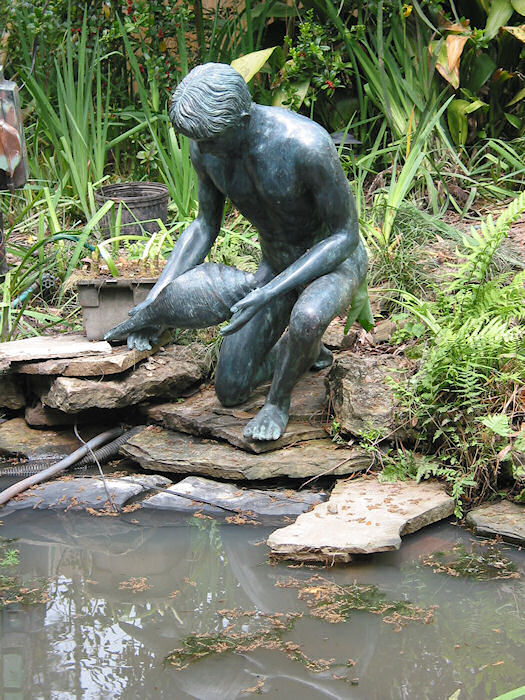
(281,170)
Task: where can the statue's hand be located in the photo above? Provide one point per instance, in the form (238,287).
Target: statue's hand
(245,309)
(143,339)
(139,336)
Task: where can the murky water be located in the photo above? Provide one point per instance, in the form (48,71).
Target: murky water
(124,592)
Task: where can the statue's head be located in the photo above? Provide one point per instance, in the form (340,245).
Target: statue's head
(211,99)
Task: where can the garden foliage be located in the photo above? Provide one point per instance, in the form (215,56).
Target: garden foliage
(466,400)
(430,96)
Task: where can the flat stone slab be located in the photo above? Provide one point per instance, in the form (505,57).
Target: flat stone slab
(45,347)
(158,449)
(217,498)
(119,360)
(166,374)
(71,493)
(17,438)
(202,415)
(361,516)
(503,518)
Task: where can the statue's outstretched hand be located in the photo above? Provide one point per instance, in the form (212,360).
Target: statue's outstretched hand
(143,340)
(245,309)
(141,334)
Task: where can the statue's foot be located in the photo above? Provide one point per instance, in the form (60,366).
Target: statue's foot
(268,424)
(325,359)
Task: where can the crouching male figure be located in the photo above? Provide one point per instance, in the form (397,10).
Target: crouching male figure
(282,172)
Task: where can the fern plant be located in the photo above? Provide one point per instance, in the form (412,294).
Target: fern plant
(472,367)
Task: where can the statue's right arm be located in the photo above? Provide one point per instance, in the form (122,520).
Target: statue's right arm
(196,241)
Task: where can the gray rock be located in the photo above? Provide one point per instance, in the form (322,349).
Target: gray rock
(361,516)
(68,493)
(45,347)
(11,393)
(383,331)
(335,338)
(17,438)
(361,397)
(164,375)
(117,361)
(503,518)
(219,499)
(203,415)
(162,450)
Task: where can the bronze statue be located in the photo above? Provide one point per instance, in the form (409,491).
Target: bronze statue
(282,172)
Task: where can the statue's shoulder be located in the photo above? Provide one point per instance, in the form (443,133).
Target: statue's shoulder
(292,130)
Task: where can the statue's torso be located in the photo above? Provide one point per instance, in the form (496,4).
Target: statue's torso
(267,184)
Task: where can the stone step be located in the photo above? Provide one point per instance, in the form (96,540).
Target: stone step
(117,361)
(45,347)
(158,449)
(169,372)
(504,518)
(361,516)
(202,415)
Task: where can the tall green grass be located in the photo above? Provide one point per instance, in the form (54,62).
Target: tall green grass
(72,133)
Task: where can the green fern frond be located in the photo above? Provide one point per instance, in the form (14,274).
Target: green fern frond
(481,244)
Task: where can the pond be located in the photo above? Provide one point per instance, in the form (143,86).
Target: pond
(148,606)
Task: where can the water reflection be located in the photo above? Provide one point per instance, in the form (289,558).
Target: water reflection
(105,632)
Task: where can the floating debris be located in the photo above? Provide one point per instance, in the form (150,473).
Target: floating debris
(334,603)
(486,564)
(268,634)
(137,585)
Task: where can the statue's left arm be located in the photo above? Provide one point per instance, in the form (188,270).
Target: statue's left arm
(332,202)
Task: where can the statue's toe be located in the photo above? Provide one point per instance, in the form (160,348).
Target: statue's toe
(268,424)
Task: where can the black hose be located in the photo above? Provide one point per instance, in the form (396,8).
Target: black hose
(60,466)
(102,455)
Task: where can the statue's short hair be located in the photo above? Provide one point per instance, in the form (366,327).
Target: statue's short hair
(209,100)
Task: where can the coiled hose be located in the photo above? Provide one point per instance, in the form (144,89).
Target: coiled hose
(102,455)
(60,466)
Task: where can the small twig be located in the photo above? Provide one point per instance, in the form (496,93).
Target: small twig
(328,471)
(113,504)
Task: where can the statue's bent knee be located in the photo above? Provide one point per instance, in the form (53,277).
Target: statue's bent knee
(230,388)
(307,323)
